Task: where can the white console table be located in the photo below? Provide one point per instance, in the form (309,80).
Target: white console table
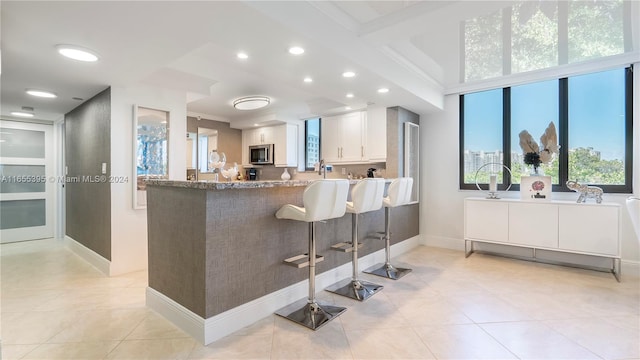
(564,226)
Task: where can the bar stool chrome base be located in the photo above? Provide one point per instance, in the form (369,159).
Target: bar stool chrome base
(311,315)
(355,289)
(388,271)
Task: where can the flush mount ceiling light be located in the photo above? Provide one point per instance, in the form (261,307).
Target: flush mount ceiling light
(22,114)
(251,102)
(383,90)
(77,53)
(348,74)
(242,55)
(296,50)
(308,79)
(41,93)
(349,95)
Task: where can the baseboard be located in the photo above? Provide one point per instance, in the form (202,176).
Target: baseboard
(211,329)
(444,242)
(88,255)
(630,268)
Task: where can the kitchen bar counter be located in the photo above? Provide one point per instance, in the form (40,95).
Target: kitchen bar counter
(216,246)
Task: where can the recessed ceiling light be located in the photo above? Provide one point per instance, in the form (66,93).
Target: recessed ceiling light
(255,124)
(348,74)
(383,90)
(349,95)
(77,53)
(41,93)
(21,114)
(308,79)
(347,107)
(242,55)
(296,50)
(251,102)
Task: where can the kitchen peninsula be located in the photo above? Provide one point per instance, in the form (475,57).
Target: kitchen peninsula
(216,250)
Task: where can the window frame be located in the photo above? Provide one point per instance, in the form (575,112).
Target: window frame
(563,137)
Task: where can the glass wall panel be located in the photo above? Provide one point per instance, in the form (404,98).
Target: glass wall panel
(19,143)
(595,29)
(22,178)
(22,213)
(534,36)
(483,47)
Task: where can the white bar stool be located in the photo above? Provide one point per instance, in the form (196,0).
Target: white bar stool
(366,196)
(323,200)
(398,194)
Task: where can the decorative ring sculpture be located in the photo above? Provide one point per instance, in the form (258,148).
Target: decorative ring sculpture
(494,194)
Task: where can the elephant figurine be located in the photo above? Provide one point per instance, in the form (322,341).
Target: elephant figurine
(585,191)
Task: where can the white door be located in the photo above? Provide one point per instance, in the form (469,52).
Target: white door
(26,181)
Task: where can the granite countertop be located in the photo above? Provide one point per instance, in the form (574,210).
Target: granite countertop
(222,185)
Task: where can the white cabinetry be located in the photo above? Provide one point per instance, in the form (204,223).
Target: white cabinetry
(533,224)
(590,229)
(376,149)
(283,137)
(487,221)
(286,145)
(344,138)
(258,136)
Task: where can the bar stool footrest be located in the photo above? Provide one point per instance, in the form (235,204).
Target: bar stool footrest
(300,261)
(345,246)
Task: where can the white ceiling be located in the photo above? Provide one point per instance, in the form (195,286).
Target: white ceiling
(191,47)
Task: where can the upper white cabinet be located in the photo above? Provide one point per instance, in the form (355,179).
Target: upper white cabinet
(344,138)
(258,136)
(376,149)
(285,145)
(283,137)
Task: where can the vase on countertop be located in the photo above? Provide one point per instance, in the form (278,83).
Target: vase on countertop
(285,175)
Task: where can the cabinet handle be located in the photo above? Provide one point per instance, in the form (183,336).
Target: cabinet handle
(362,151)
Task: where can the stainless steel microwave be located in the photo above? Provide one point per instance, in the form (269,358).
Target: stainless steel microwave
(261,154)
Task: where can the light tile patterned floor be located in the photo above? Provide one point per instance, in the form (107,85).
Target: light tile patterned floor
(56,306)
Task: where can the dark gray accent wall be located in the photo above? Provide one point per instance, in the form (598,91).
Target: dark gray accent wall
(213,250)
(396,117)
(87,146)
(229,140)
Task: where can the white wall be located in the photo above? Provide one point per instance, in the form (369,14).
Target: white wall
(129,226)
(442,202)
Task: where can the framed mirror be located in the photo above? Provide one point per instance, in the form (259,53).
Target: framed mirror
(412,158)
(150,150)
(207,142)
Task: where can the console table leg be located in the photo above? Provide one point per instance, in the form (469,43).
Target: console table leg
(468,253)
(616,267)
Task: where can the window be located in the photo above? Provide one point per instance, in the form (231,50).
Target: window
(593,117)
(312,143)
(533,107)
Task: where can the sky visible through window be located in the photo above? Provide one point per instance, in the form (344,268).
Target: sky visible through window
(596,105)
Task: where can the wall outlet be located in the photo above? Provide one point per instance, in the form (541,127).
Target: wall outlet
(104,168)
(344,171)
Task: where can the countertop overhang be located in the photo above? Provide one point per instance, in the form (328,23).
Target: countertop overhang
(224,185)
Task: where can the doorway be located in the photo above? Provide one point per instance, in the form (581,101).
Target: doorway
(27,181)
